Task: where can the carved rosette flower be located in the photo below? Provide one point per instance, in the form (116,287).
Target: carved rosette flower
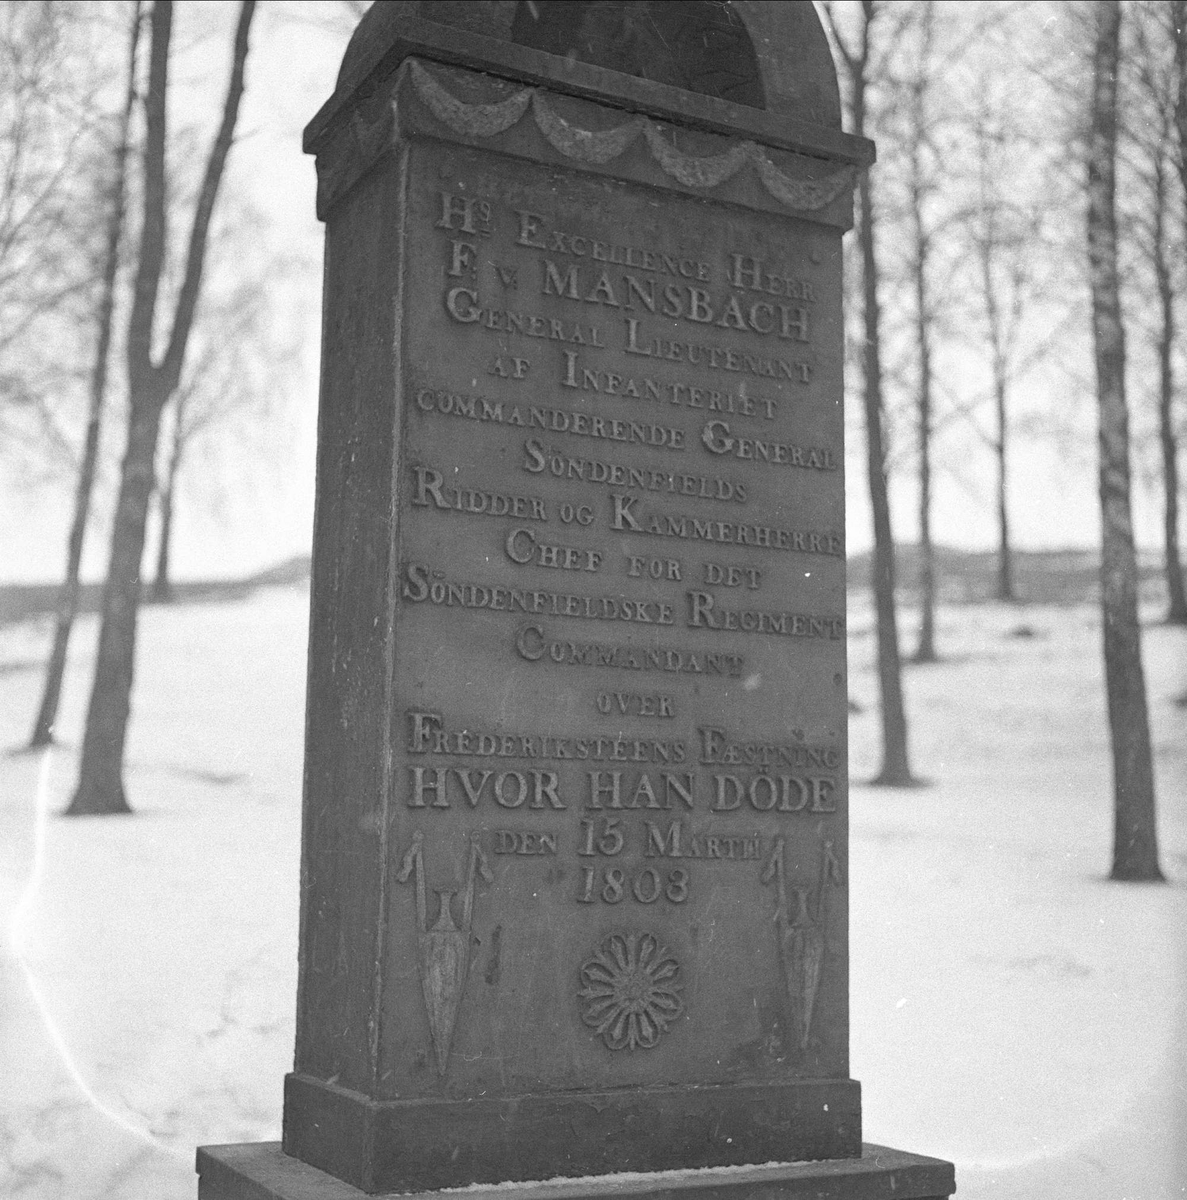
(630,995)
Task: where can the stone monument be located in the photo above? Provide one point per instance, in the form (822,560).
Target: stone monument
(574,874)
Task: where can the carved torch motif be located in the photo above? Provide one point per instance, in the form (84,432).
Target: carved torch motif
(444,950)
(801,934)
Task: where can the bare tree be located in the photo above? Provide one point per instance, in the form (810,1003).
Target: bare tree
(67,606)
(1168,439)
(1135,841)
(236,373)
(46,117)
(151,382)
(921,186)
(162,586)
(1005,238)
(859,70)
(1149,90)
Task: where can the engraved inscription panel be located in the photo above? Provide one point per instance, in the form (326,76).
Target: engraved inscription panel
(619,742)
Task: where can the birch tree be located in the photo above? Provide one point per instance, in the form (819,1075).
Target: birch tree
(921,187)
(1005,236)
(1135,841)
(67,606)
(46,120)
(1168,432)
(239,369)
(860,70)
(152,380)
(1149,93)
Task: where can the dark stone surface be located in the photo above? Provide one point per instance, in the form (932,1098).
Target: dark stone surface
(574,875)
(731,153)
(802,103)
(262,1172)
(576,727)
(431,1144)
(698,46)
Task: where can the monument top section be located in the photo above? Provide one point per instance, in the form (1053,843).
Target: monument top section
(723,68)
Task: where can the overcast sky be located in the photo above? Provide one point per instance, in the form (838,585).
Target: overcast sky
(239,517)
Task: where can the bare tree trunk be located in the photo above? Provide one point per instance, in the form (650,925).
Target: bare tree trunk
(1005,565)
(925,651)
(1177,601)
(1173,568)
(100,783)
(1135,842)
(67,608)
(101,786)
(997,355)
(162,588)
(991,243)
(895,770)
(1177,607)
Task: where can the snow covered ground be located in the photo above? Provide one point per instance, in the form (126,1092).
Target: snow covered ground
(1011,1009)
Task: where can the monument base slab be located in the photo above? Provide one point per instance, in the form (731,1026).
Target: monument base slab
(424,1145)
(262,1171)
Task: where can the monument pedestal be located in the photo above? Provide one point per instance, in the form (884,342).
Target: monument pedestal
(262,1171)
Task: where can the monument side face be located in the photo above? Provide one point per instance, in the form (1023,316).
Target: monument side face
(574,889)
(350,682)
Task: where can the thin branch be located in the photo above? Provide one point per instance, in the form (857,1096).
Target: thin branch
(191,284)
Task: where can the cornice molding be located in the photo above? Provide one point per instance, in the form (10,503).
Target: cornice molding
(604,145)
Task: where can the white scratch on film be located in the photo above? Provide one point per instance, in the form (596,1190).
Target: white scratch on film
(19,929)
